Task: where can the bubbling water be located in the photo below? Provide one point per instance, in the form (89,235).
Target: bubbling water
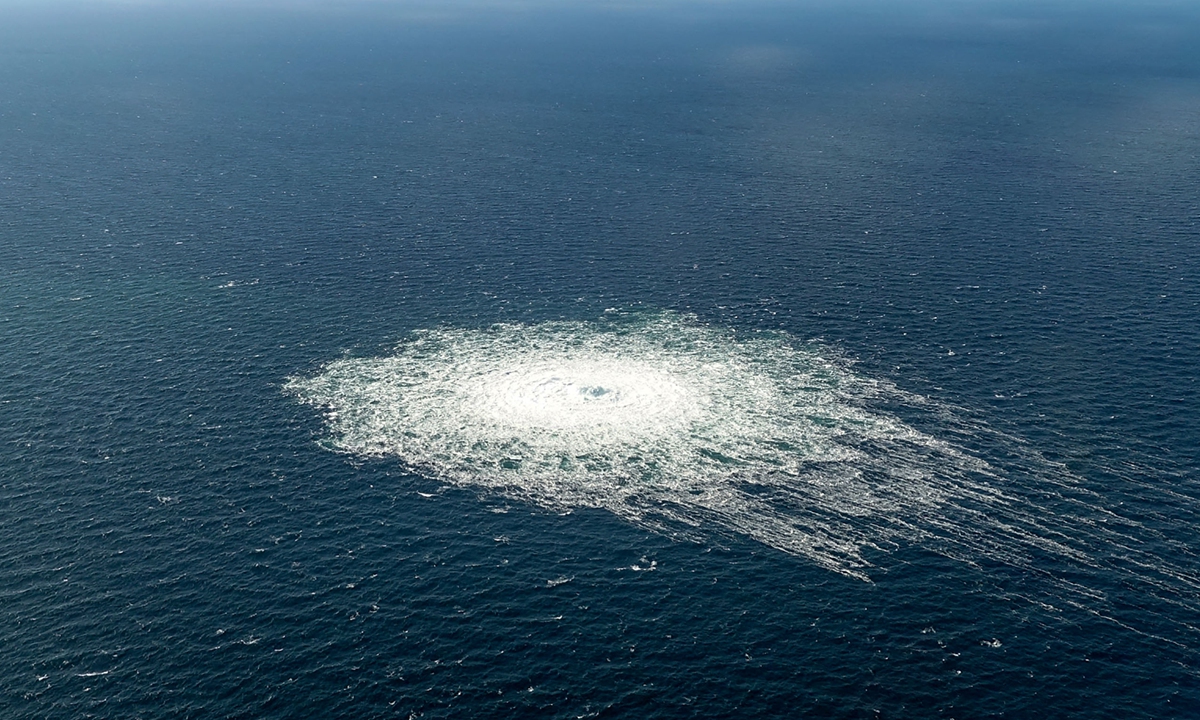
(576,393)
(668,423)
(692,431)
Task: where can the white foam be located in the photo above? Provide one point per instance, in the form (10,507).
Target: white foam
(692,430)
(663,421)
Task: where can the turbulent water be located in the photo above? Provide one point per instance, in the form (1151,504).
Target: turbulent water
(665,422)
(695,430)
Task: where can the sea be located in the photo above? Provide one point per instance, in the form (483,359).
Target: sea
(599,359)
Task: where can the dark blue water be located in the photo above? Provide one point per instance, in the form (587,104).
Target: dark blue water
(994,208)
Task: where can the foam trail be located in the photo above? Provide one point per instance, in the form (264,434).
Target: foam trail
(693,430)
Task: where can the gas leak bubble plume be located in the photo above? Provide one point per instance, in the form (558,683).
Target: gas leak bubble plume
(675,426)
(695,431)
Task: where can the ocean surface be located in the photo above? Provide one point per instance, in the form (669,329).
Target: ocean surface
(587,360)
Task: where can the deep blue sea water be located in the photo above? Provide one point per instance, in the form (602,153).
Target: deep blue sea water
(986,212)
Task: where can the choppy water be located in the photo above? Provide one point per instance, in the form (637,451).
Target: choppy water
(390,362)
